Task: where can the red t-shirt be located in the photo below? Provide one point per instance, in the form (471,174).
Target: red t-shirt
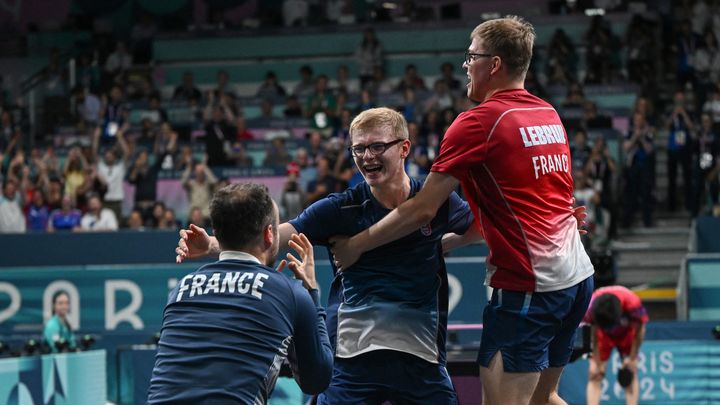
(623,335)
(512,158)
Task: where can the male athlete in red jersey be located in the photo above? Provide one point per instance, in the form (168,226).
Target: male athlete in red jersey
(512,158)
(618,318)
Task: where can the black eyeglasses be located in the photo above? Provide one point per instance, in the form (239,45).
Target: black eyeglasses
(377,148)
(470,57)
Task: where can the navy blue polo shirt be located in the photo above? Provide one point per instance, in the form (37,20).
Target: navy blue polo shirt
(392,297)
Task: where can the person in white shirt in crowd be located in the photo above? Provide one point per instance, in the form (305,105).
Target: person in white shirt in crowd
(199,188)
(98,218)
(112,168)
(12,219)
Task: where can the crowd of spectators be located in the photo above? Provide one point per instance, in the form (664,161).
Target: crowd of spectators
(125,131)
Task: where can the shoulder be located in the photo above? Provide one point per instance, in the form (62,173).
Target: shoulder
(351,196)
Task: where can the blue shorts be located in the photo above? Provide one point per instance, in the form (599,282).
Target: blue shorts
(533,331)
(388,375)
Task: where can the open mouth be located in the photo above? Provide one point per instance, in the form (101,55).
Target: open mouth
(372,168)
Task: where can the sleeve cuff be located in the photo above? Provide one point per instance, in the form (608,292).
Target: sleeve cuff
(315,295)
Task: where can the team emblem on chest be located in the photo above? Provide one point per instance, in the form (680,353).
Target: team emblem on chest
(426,230)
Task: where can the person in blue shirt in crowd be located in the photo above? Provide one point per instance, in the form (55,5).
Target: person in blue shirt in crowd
(57,332)
(229,325)
(388,326)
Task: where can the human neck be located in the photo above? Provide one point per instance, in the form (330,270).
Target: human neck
(393,193)
(505,85)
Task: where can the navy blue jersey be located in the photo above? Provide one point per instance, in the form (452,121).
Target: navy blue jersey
(226,330)
(392,297)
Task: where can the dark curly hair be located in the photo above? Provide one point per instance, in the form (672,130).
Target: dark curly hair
(239,213)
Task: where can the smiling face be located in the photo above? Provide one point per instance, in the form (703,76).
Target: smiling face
(61,306)
(378,169)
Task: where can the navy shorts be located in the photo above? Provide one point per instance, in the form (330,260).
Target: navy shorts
(533,331)
(387,375)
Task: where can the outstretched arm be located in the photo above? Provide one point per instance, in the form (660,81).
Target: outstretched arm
(404,219)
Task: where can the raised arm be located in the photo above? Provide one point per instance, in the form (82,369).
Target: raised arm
(404,219)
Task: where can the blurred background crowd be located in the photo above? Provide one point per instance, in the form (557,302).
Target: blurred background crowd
(111,133)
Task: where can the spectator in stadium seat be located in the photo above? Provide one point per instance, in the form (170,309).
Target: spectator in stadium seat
(579,150)
(98,218)
(601,169)
(618,320)
(10,134)
(366,101)
(681,138)
(306,86)
(74,171)
(200,187)
(277,154)
(223,88)
(111,170)
(37,213)
(65,218)
(712,107)
(87,109)
(12,219)
(144,176)
(270,87)
(292,199)
(293,109)
(561,65)
(219,136)
(316,146)
(342,82)
(168,222)
(187,90)
(57,331)
(165,143)
(115,112)
(706,166)
(592,119)
(120,60)
(483,149)
(379,84)
(440,99)
(379,320)
(411,80)
(369,56)
(158,212)
(135,221)
(241,338)
(242,133)
(195,217)
(447,76)
(639,151)
(240,157)
(575,97)
(321,101)
(323,184)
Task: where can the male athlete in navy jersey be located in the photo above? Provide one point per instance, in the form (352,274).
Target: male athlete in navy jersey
(229,325)
(387,322)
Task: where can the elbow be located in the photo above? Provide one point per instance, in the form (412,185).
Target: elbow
(319,381)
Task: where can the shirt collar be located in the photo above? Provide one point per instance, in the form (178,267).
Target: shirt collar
(237,255)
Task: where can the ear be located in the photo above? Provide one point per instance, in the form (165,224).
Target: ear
(496,65)
(268,236)
(405,151)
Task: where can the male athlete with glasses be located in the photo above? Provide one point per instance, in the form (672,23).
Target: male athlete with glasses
(388,319)
(511,155)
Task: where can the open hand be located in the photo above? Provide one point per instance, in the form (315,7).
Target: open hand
(304,267)
(193,243)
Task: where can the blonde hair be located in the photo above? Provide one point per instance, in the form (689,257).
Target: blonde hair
(381,118)
(511,38)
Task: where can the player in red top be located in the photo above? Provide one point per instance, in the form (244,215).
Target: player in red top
(618,319)
(512,158)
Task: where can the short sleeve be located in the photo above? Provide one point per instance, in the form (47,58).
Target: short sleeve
(460,217)
(318,221)
(463,147)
